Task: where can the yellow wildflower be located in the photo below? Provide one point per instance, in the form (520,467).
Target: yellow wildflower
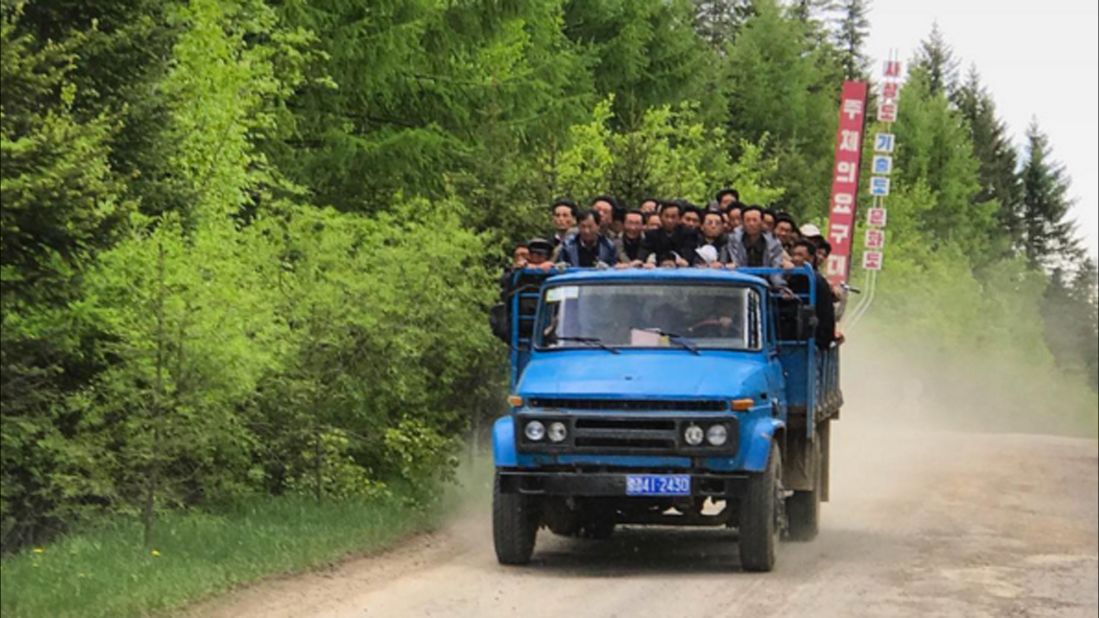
(39,550)
(155,553)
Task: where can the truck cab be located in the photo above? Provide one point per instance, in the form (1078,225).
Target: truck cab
(667,397)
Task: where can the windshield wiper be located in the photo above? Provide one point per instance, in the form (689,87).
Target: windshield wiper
(593,340)
(684,342)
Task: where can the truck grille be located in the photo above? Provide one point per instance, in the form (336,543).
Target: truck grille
(680,405)
(626,435)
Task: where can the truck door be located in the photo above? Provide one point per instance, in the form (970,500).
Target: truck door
(523,304)
(776,384)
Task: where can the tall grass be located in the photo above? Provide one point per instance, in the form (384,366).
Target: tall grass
(105,571)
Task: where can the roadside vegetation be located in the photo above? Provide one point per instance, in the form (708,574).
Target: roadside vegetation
(248,247)
(101,571)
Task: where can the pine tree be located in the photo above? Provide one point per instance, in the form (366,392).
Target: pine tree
(1070,310)
(852,31)
(783,85)
(718,21)
(646,54)
(124,50)
(936,60)
(1085,292)
(999,178)
(936,151)
(1049,237)
(61,205)
(810,11)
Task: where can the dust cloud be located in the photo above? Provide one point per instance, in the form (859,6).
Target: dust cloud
(928,385)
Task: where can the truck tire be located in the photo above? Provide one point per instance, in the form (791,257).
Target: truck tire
(515,520)
(803,508)
(762,516)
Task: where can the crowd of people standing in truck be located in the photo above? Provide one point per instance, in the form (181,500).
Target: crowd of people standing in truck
(727,233)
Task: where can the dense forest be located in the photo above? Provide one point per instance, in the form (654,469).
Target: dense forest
(248,245)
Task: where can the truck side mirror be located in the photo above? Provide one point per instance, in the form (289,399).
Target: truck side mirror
(807,321)
(498,321)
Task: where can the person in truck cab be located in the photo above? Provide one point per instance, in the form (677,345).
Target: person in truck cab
(725,324)
(587,248)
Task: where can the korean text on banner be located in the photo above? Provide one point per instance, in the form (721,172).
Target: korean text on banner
(845,180)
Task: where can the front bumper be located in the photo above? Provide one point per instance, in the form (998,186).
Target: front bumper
(610,484)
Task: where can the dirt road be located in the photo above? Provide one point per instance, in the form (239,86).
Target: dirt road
(920,524)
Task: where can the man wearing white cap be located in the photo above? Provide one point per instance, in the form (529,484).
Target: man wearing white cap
(712,236)
(810,232)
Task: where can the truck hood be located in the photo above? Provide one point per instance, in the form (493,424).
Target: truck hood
(671,374)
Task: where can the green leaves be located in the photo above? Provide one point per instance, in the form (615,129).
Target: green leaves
(671,154)
(247,246)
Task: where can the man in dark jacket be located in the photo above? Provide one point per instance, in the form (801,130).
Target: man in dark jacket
(587,248)
(671,237)
(712,233)
(804,253)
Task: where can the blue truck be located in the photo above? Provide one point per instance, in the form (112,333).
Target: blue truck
(687,396)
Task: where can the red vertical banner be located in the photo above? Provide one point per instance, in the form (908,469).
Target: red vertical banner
(845,180)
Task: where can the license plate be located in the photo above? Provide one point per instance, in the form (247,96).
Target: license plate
(658,485)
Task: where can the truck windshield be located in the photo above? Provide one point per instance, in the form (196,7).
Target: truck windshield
(649,316)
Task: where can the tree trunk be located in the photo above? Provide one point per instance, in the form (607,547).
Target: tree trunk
(152,472)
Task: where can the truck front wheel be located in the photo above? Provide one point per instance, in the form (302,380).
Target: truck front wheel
(762,516)
(515,520)
(803,508)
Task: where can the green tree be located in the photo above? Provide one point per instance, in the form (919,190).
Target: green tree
(852,29)
(671,154)
(935,148)
(935,59)
(717,21)
(646,54)
(1049,236)
(124,48)
(999,178)
(782,85)
(62,203)
(418,92)
(1070,311)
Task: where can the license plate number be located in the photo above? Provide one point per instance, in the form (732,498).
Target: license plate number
(658,485)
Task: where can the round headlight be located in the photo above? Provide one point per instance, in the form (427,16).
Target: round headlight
(717,435)
(693,435)
(534,431)
(557,432)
